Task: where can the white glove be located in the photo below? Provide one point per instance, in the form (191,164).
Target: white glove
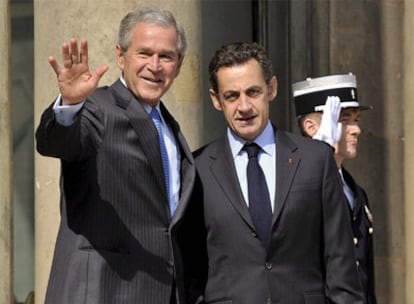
(330,129)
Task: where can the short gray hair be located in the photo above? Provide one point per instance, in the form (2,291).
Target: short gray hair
(150,15)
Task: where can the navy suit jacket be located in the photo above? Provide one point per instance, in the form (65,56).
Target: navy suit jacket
(117,242)
(362,229)
(310,258)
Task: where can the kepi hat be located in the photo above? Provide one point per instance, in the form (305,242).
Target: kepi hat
(310,95)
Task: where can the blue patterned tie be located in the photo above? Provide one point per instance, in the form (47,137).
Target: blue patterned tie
(164,155)
(259,199)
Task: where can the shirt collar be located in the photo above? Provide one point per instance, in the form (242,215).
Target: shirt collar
(265,140)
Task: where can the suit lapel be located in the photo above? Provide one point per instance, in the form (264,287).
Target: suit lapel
(144,127)
(223,170)
(287,162)
(187,165)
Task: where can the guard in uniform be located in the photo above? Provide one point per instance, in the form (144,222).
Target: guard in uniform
(327,109)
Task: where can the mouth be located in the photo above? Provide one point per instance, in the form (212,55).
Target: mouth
(152,80)
(247,119)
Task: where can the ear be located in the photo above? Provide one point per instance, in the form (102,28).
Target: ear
(119,57)
(272,88)
(215,100)
(310,126)
(180,63)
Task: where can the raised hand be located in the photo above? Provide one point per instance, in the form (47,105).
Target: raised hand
(330,129)
(75,80)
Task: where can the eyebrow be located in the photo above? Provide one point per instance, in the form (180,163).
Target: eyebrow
(252,87)
(349,113)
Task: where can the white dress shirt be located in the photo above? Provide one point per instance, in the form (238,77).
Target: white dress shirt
(267,159)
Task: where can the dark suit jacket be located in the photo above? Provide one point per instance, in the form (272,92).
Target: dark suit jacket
(117,242)
(310,258)
(362,230)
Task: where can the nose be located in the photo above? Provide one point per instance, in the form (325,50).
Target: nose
(244,103)
(355,129)
(154,63)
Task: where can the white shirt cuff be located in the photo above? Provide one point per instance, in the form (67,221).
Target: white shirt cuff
(65,114)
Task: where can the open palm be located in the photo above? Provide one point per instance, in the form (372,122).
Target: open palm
(75,80)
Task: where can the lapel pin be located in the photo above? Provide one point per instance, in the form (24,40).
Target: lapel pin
(290,161)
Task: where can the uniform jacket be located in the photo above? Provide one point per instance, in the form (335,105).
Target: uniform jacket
(310,257)
(362,230)
(117,242)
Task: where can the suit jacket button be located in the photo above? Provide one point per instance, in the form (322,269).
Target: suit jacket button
(170,263)
(254,234)
(355,241)
(357,263)
(268,265)
(371,230)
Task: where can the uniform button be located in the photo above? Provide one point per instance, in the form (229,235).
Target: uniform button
(357,263)
(355,241)
(354,218)
(371,230)
(268,265)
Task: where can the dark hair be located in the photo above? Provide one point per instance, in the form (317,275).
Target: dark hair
(150,15)
(235,54)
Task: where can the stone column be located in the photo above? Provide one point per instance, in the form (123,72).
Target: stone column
(56,22)
(409,148)
(6,210)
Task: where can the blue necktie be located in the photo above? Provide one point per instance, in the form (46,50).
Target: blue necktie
(347,191)
(259,199)
(164,155)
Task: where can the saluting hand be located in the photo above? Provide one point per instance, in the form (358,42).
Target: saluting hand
(330,129)
(75,80)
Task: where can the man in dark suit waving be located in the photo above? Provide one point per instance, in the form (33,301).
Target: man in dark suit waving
(127,172)
(274,210)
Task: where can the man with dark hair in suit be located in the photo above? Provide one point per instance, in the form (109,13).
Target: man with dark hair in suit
(328,109)
(126,172)
(274,211)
